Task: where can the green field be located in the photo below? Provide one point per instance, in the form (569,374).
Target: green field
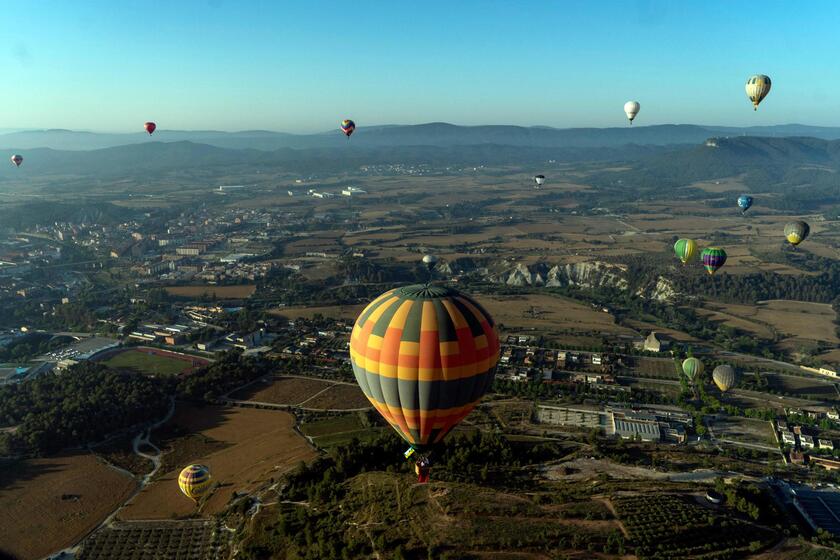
(336,431)
(142,362)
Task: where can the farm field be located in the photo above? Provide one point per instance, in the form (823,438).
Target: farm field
(336,431)
(548,313)
(282,390)
(802,386)
(338,397)
(349,312)
(219,292)
(255,446)
(745,430)
(48,504)
(151,362)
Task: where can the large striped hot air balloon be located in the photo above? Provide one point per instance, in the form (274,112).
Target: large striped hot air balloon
(685,249)
(757,88)
(347,127)
(724,377)
(195,481)
(424,356)
(796,232)
(692,368)
(713,258)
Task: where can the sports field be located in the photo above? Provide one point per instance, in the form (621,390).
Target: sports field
(250,448)
(49,504)
(151,362)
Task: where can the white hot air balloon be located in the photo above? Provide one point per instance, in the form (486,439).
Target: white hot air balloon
(539,179)
(757,88)
(631,108)
(430,261)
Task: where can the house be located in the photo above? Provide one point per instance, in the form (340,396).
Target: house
(833,414)
(806,441)
(782,425)
(788,438)
(826,444)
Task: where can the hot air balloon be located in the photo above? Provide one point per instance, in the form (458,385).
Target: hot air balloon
(692,368)
(713,258)
(430,261)
(631,109)
(347,127)
(744,202)
(17,160)
(424,356)
(685,249)
(150,127)
(757,87)
(539,179)
(195,481)
(796,232)
(724,377)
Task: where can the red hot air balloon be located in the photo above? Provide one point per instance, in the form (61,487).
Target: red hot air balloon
(150,127)
(16,159)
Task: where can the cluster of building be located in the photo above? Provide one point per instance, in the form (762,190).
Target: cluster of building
(636,422)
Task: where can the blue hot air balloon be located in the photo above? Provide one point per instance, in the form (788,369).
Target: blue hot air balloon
(744,202)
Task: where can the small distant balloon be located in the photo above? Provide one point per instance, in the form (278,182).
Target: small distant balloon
(631,109)
(757,88)
(713,258)
(724,377)
(685,249)
(539,179)
(692,368)
(195,481)
(347,127)
(150,127)
(744,202)
(796,232)
(430,261)
(16,159)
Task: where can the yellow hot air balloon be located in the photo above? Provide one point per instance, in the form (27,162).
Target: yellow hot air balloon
(757,87)
(195,481)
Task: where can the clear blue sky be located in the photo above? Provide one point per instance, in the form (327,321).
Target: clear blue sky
(301,66)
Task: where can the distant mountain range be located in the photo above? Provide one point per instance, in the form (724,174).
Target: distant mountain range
(431,134)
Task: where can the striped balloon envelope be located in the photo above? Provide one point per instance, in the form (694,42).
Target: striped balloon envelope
(195,481)
(713,258)
(796,232)
(692,368)
(424,356)
(685,249)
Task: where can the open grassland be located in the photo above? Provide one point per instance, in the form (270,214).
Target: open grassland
(49,504)
(152,362)
(282,390)
(335,431)
(800,320)
(546,312)
(255,447)
(219,292)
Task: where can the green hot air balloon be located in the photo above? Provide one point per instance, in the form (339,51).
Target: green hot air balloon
(692,368)
(685,249)
(724,377)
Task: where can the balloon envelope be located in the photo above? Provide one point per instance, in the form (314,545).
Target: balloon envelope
(796,232)
(195,481)
(692,368)
(347,127)
(685,249)
(17,160)
(424,356)
(150,127)
(757,88)
(539,179)
(713,258)
(631,109)
(724,377)
(744,202)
